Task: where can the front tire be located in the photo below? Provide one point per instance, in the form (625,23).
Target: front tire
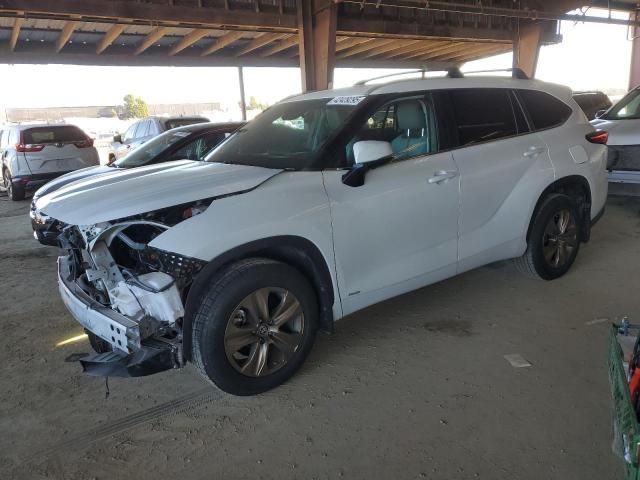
(255,326)
(554,239)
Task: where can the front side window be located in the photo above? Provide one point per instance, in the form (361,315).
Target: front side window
(407,124)
(198,148)
(626,109)
(482,115)
(545,111)
(130,133)
(147,152)
(142,130)
(288,135)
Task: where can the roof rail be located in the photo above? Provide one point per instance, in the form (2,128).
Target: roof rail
(515,72)
(453,72)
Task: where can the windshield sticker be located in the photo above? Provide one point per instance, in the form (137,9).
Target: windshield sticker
(347,100)
(181,134)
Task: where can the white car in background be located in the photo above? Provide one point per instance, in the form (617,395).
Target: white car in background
(621,132)
(326,203)
(34,154)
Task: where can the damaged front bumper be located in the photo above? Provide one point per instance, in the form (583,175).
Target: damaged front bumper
(137,350)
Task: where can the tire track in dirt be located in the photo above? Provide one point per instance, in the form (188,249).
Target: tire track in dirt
(173,407)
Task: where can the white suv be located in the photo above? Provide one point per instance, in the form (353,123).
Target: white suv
(326,203)
(34,154)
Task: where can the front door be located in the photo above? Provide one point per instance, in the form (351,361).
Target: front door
(398,231)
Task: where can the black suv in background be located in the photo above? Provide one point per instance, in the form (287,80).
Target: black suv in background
(145,129)
(592,102)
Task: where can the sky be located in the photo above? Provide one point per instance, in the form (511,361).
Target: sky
(591,56)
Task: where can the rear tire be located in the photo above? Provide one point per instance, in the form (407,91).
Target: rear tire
(255,326)
(14,192)
(554,239)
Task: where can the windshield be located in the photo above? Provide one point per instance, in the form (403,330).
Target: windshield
(146,152)
(288,135)
(626,109)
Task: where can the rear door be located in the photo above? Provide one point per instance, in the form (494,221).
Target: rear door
(53,148)
(495,151)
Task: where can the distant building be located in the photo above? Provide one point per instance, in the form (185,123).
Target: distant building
(57,114)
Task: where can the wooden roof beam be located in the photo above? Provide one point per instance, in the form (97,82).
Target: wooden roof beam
(350,42)
(461,51)
(363,47)
(65,34)
(153,36)
(189,39)
(222,42)
(259,41)
(400,43)
(284,44)
(15,33)
(403,51)
(449,47)
(109,37)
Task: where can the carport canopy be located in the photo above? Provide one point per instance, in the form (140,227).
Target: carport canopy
(317,35)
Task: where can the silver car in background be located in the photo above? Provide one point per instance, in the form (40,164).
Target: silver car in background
(34,154)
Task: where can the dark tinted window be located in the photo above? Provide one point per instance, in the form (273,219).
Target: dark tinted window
(183,121)
(483,114)
(53,135)
(545,111)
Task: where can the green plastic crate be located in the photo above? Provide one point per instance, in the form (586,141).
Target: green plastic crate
(625,423)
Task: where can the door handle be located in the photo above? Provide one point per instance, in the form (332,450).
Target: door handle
(442,176)
(533,152)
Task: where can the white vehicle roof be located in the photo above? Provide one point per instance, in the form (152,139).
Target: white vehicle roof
(437,83)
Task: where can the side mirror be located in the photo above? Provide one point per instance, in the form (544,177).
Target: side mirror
(599,113)
(368,154)
(117,138)
(366,151)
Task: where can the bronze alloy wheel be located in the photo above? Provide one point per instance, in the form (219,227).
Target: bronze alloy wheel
(264,331)
(560,238)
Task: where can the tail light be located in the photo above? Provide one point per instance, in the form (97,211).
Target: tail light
(84,143)
(29,147)
(599,136)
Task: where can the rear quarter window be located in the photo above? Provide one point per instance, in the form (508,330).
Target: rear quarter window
(545,111)
(53,135)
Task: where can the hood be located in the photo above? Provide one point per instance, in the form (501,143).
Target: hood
(123,193)
(70,177)
(621,132)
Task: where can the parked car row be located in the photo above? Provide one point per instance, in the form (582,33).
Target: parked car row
(326,203)
(144,130)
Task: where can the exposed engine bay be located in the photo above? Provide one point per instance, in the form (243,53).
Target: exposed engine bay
(111,266)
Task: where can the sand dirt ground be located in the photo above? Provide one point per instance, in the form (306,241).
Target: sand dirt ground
(416,387)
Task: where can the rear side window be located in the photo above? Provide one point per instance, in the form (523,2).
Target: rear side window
(483,114)
(64,134)
(545,111)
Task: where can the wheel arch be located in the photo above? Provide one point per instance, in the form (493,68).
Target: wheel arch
(296,251)
(577,187)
